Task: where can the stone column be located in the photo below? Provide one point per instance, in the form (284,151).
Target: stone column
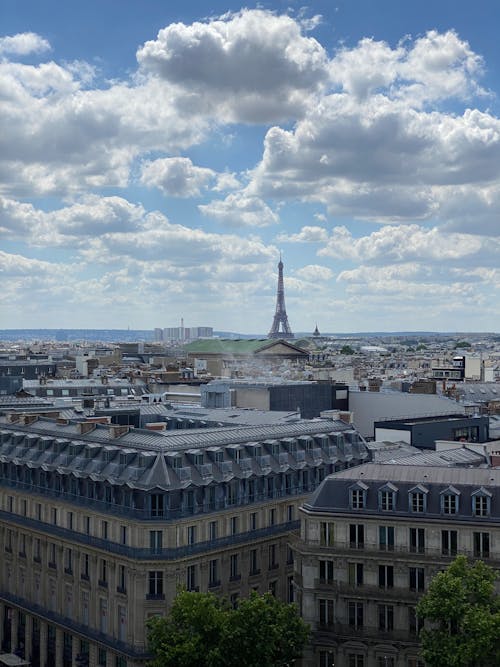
(28,637)
(13,631)
(43,643)
(75,650)
(59,647)
(92,654)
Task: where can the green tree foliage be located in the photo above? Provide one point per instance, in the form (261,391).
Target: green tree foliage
(204,631)
(462,615)
(347,349)
(462,343)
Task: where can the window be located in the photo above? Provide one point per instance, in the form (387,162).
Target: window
(155,584)
(234,600)
(417,540)
(272,557)
(212,530)
(234,568)
(387,501)
(414,623)
(191,534)
(356,660)
(386,661)
(413,661)
(357,536)
(481,505)
(355,571)
(327,533)
(213,573)
(385,617)
(101,657)
(103,572)
(481,545)
(69,520)
(191,578)
(156,541)
(39,511)
(290,513)
(123,534)
(326,571)
(290,587)
(273,587)
(234,525)
(122,579)
(104,530)
(417,579)
(157,504)
(355,614)
(417,502)
(326,659)
(54,515)
(386,538)
(326,612)
(254,562)
(85,560)
(272,517)
(449,542)
(87,525)
(386,576)
(449,501)
(52,556)
(37,553)
(357,499)
(253,521)
(68,564)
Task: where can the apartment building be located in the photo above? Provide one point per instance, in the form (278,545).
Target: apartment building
(371,539)
(100,525)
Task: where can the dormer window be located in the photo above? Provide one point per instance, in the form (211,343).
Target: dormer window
(387,497)
(449,500)
(417,499)
(357,494)
(481,502)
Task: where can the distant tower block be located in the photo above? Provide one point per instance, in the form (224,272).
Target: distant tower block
(280,316)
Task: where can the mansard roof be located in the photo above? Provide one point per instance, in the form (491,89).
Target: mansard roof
(174,459)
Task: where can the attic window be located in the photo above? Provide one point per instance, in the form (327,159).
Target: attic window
(357,496)
(449,501)
(481,502)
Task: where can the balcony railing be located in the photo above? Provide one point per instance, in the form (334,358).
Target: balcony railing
(140,553)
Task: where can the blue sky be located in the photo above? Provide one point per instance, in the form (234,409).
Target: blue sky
(155,158)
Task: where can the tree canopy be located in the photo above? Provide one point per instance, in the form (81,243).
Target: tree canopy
(462,614)
(205,631)
(347,349)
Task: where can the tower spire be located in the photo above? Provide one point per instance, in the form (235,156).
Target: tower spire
(280,316)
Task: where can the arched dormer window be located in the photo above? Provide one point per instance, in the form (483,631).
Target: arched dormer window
(417,499)
(450,500)
(481,502)
(357,496)
(387,497)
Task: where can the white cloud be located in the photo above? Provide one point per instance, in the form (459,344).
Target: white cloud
(23,44)
(176,176)
(308,234)
(251,66)
(240,210)
(405,243)
(314,273)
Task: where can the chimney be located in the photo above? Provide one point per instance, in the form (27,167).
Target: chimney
(116,430)
(12,417)
(85,427)
(28,419)
(62,422)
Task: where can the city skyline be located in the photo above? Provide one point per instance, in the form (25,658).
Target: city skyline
(160,158)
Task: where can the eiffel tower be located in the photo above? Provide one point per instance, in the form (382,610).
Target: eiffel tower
(280,316)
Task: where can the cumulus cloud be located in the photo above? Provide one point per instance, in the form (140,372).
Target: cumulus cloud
(404,243)
(314,272)
(308,234)
(240,210)
(253,65)
(23,44)
(177,176)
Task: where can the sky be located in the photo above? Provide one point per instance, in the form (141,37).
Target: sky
(156,157)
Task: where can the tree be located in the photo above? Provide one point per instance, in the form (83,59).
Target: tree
(192,633)
(462,614)
(347,349)
(205,631)
(462,343)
